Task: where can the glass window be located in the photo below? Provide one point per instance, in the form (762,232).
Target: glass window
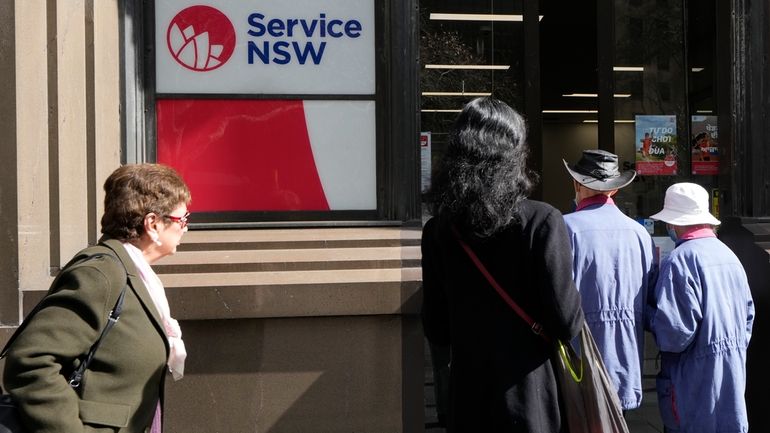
(666,129)
(467,49)
(570,99)
(664,118)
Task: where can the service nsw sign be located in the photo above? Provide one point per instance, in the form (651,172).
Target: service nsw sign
(258,47)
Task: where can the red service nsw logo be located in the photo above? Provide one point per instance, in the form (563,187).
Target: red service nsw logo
(201,38)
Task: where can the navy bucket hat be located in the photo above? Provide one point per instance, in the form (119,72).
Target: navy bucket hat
(598,170)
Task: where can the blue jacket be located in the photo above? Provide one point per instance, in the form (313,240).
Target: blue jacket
(614,269)
(702,325)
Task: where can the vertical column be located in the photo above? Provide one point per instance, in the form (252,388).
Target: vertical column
(32,146)
(758,107)
(401,117)
(532,94)
(605,36)
(69,149)
(137,90)
(744,106)
(105,153)
(725,74)
(9,293)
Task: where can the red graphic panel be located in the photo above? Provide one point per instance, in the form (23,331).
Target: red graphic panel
(201,38)
(241,155)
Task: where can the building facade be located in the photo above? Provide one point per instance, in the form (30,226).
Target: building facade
(297,127)
(298,290)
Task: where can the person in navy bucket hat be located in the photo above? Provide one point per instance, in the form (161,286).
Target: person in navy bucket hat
(702,314)
(613,267)
(598,170)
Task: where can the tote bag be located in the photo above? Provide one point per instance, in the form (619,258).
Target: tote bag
(588,397)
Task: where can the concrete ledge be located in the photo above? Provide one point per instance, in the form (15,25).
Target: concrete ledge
(305,300)
(290,278)
(300,238)
(272,273)
(292,255)
(268,260)
(300,234)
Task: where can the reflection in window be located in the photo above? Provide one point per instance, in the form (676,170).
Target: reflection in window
(468,49)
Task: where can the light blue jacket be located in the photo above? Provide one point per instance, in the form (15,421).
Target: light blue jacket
(614,269)
(702,325)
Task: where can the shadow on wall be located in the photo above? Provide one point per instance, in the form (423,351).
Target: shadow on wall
(289,374)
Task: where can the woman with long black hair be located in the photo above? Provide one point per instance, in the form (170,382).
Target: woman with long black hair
(501,378)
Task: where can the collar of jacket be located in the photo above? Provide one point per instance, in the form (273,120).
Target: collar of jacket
(598,199)
(137,285)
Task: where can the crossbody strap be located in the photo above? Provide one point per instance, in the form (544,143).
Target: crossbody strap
(536,327)
(76,377)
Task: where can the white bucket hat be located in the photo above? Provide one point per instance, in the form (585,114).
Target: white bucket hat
(686,204)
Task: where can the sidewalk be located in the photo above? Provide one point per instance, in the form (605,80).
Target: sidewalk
(642,420)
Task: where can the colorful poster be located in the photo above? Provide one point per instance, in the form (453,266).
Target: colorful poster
(704,145)
(655,145)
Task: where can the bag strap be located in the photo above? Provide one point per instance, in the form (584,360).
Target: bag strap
(536,327)
(76,377)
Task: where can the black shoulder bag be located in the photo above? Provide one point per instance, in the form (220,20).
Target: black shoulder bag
(9,412)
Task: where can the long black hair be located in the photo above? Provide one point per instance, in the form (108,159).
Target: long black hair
(483,175)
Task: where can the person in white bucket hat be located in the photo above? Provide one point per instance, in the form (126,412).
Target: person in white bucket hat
(614,268)
(701,315)
(686,204)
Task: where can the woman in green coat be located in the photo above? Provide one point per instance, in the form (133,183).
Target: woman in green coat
(145,217)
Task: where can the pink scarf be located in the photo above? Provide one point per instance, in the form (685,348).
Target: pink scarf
(177,352)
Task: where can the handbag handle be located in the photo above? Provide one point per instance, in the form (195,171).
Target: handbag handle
(536,327)
(565,354)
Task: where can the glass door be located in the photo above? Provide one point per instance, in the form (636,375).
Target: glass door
(662,96)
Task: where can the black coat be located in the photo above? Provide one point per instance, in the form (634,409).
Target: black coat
(501,378)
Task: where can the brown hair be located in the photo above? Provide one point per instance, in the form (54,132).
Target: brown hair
(132,191)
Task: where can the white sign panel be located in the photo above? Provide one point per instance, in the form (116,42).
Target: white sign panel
(344,156)
(265,47)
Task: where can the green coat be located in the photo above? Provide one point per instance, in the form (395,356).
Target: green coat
(123,384)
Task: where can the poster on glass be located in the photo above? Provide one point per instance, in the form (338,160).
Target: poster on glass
(656,145)
(704,145)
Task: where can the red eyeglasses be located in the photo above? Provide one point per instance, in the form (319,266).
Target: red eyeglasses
(182,220)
